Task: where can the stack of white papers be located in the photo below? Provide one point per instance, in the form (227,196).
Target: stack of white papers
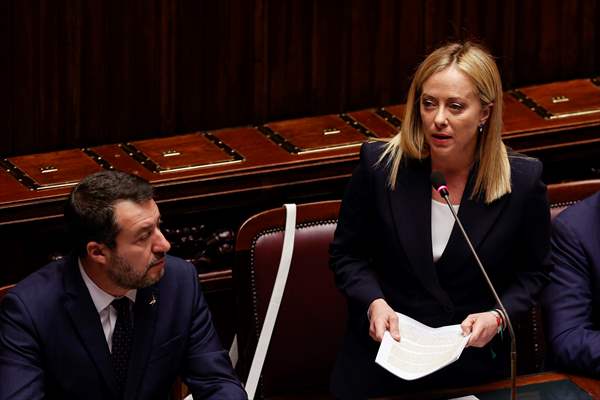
(422,350)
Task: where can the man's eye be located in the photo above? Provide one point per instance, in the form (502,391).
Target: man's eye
(145,236)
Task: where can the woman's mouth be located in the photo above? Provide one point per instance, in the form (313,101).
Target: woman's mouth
(440,136)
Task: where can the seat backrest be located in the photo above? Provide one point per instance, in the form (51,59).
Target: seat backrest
(562,195)
(312,315)
(4,290)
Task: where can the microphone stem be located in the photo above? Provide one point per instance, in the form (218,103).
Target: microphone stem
(513,342)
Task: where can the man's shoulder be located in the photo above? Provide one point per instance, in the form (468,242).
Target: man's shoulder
(178,271)
(45,282)
(178,265)
(43,290)
(178,287)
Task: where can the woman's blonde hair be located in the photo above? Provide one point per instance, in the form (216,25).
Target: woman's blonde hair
(493,176)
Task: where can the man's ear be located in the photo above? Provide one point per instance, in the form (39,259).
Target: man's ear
(97,252)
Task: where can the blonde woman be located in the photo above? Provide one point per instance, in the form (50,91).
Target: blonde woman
(396,247)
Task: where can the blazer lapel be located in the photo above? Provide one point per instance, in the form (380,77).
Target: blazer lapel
(86,322)
(477,219)
(410,203)
(145,313)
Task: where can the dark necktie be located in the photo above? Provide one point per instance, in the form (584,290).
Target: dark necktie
(122,340)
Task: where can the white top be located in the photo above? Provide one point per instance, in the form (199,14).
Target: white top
(102,300)
(442,222)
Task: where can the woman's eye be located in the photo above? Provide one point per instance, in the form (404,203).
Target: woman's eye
(456,106)
(428,103)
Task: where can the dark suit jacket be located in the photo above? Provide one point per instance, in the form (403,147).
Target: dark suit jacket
(572,299)
(382,248)
(52,345)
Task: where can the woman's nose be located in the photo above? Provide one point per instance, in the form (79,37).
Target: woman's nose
(440,118)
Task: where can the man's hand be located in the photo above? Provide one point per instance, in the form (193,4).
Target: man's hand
(382,318)
(481,326)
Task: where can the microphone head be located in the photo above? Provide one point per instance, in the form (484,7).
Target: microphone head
(438,181)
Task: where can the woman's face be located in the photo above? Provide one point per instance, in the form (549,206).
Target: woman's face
(451,112)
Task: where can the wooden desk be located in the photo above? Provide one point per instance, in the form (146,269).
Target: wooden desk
(589,385)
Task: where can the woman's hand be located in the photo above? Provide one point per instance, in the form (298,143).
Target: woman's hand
(482,327)
(382,318)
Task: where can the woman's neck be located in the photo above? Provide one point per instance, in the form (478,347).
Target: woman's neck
(452,167)
(456,179)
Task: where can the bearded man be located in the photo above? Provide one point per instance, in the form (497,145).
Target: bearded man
(117,319)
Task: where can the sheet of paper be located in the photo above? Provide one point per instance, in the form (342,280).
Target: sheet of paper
(422,350)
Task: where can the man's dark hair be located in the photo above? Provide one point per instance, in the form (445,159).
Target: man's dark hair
(89,211)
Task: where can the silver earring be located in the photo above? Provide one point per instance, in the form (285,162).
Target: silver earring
(480,129)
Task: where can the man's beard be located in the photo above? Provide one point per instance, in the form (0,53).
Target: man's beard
(124,275)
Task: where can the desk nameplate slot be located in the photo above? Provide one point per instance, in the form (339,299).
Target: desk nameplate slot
(568,100)
(54,171)
(322,134)
(190,153)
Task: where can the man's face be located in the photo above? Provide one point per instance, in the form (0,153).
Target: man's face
(138,259)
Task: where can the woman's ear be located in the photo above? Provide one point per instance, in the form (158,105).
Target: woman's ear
(486,111)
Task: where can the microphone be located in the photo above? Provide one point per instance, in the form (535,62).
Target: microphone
(438,181)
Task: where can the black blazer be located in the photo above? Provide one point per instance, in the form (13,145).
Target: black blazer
(382,248)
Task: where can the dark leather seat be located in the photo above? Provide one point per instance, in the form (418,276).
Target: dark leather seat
(312,316)
(4,290)
(562,195)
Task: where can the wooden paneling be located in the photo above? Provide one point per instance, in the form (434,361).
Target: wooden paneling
(555,40)
(214,64)
(86,73)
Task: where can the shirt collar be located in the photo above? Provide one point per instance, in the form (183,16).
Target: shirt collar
(100,298)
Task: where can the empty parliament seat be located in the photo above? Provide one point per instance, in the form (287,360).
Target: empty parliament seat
(311,319)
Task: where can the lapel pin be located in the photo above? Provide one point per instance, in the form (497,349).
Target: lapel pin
(152,300)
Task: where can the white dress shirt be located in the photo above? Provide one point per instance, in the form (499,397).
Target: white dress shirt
(102,300)
(442,222)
